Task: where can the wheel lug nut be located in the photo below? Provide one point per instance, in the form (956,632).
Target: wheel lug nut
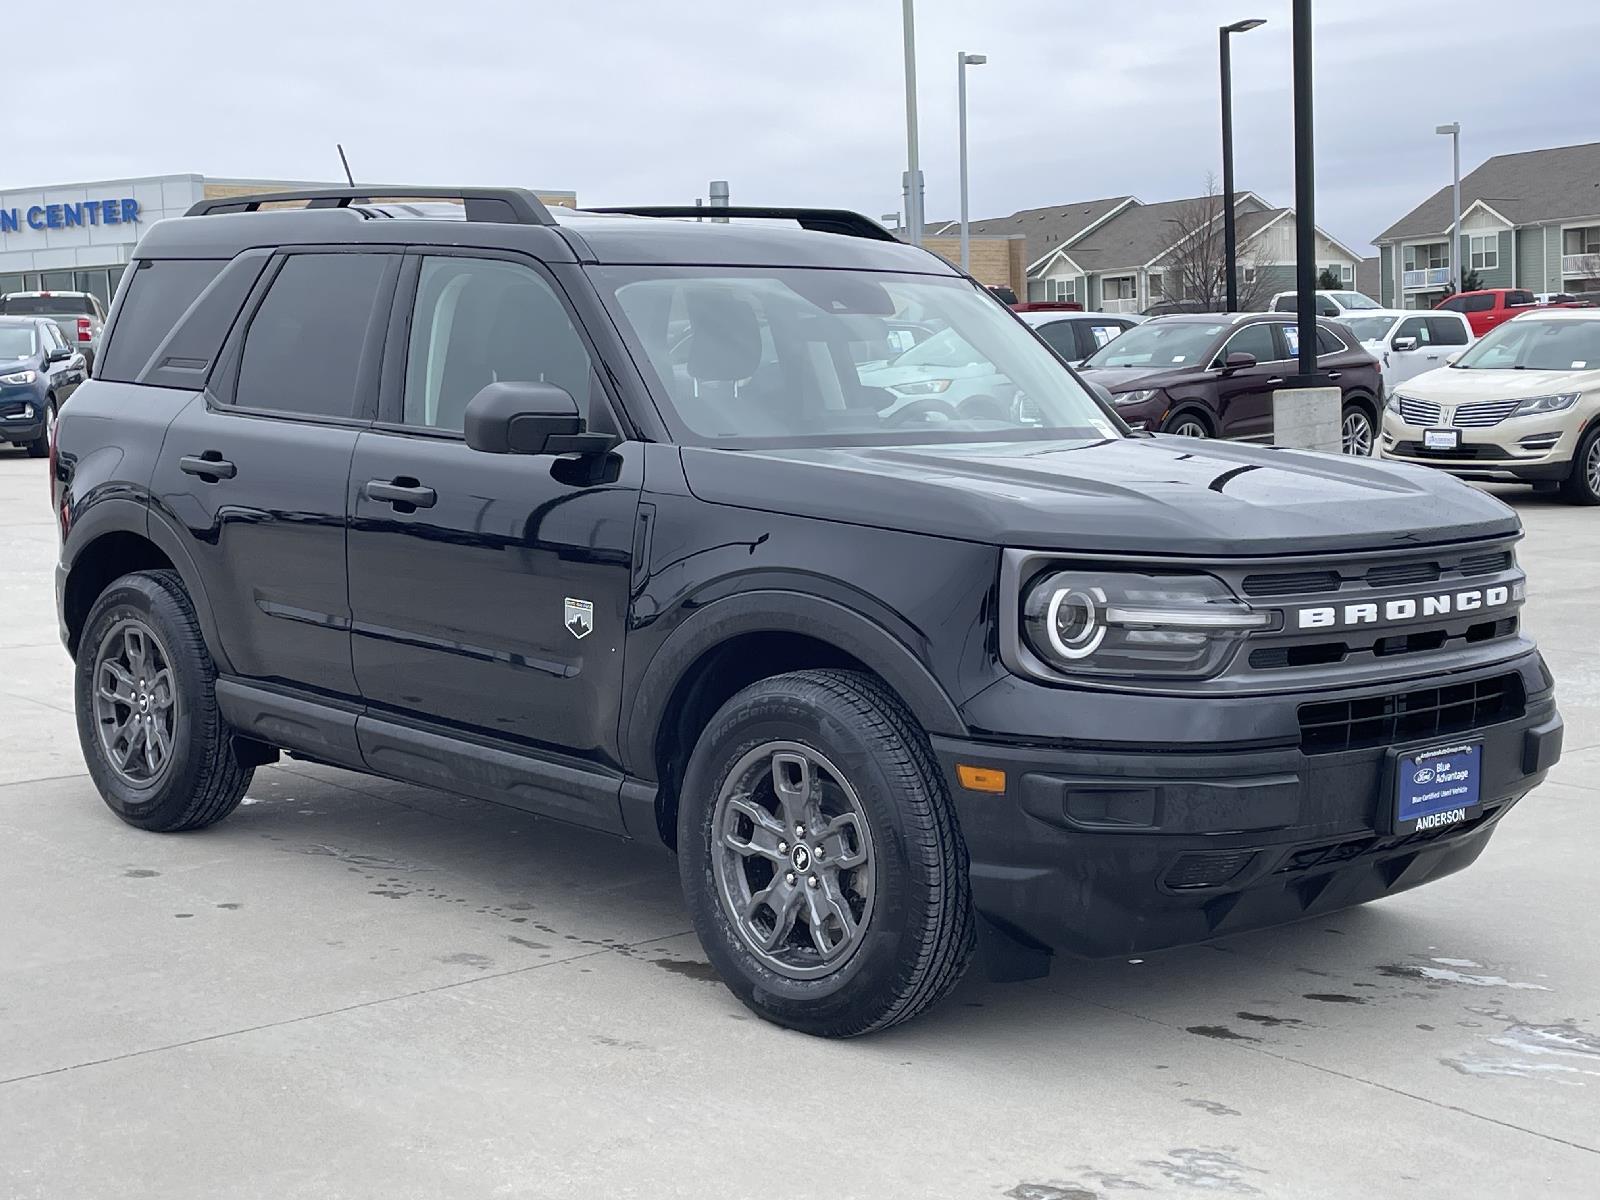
(789,877)
(816,851)
(783,847)
(812,881)
(799,831)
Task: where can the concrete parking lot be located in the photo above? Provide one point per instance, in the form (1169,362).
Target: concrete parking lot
(354,988)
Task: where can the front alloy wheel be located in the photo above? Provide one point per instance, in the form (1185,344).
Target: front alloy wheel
(1190,427)
(793,862)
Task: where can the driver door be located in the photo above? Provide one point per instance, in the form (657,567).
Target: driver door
(1244,398)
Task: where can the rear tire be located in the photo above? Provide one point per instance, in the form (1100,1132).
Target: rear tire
(1582,485)
(152,736)
(887,927)
(1357,431)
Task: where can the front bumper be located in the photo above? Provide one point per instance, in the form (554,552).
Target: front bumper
(1106,850)
(1495,452)
(22,415)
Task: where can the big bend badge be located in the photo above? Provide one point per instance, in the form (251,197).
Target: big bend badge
(579,617)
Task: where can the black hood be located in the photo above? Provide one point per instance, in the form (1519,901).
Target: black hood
(1125,379)
(1160,495)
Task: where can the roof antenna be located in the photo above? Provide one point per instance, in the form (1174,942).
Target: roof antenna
(351,179)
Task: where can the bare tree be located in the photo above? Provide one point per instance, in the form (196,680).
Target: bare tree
(1195,270)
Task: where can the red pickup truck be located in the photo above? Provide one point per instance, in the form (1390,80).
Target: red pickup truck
(1495,306)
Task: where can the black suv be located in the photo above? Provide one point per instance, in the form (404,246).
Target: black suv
(1210,375)
(590,514)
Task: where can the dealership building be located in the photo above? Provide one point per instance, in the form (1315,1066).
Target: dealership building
(79,236)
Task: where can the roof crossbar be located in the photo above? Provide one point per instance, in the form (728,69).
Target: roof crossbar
(505,206)
(820,220)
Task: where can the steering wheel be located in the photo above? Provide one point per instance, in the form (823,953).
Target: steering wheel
(921,408)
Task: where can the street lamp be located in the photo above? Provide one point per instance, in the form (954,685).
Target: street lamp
(913,182)
(1454,130)
(963,61)
(1229,234)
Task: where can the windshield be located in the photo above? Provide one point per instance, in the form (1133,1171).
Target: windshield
(16,341)
(1159,344)
(1369,329)
(757,356)
(1529,344)
(1355,301)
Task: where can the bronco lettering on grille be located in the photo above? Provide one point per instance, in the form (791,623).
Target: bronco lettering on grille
(1396,612)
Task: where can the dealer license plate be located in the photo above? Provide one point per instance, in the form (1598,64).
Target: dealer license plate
(1437,787)
(1441,439)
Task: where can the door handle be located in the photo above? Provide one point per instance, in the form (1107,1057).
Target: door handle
(1275,380)
(210,466)
(1334,374)
(404,493)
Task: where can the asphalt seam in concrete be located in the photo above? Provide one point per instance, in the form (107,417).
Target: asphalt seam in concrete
(1300,1062)
(620,947)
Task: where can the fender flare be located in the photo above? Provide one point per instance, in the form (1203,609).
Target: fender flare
(126,515)
(773,611)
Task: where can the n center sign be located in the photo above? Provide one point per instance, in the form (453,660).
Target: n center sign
(121,211)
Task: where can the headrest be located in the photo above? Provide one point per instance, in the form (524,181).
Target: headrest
(725,345)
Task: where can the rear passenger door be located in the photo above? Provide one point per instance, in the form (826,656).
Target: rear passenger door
(497,602)
(255,469)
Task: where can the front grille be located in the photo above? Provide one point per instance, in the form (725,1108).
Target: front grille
(1337,725)
(1290,583)
(1395,574)
(1467,453)
(1317,654)
(1418,412)
(1485,414)
(1485,564)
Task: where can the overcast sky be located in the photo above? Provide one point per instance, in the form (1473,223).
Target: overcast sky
(802,102)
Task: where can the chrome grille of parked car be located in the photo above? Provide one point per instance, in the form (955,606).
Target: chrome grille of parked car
(1485,414)
(1418,412)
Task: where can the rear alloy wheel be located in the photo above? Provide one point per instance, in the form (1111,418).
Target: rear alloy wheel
(1189,426)
(1582,485)
(820,856)
(1355,432)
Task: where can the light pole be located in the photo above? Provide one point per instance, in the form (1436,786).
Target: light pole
(1454,130)
(963,61)
(1230,248)
(913,171)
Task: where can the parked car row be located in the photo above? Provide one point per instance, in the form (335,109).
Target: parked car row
(38,371)
(78,315)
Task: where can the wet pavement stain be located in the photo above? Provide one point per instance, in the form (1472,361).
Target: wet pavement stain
(1270,1021)
(181,916)
(1436,977)
(1558,1053)
(689,969)
(230,905)
(388,893)
(481,961)
(1214,1108)
(1049,1191)
(527,943)
(1335,998)
(1213,1169)
(140,873)
(1221,1032)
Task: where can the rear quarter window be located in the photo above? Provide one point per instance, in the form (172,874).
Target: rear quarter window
(159,293)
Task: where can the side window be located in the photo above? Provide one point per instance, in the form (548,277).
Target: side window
(302,352)
(1515,298)
(53,339)
(479,321)
(1454,304)
(159,292)
(1285,303)
(1476,303)
(1421,328)
(1061,337)
(1326,307)
(1254,339)
(1328,342)
(1448,331)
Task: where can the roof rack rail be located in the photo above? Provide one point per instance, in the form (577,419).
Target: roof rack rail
(505,206)
(820,220)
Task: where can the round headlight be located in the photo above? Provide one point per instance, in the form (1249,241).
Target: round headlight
(1074,622)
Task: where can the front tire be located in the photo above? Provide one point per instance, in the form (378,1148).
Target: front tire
(820,857)
(40,446)
(1582,486)
(1188,425)
(152,736)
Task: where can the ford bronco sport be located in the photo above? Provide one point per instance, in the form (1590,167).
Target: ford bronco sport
(591,514)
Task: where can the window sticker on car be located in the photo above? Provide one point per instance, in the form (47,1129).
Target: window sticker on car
(1291,334)
(1179,357)
(1580,364)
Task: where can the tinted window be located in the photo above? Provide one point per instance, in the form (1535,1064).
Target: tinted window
(1061,338)
(1328,342)
(1448,331)
(157,295)
(47,306)
(1518,297)
(1326,307)
(481,321)
(1475,304)
(302,353)
(1160,343)
(1454,304)
(16,341)
(1285,303)
(1253,339)
(1418,327)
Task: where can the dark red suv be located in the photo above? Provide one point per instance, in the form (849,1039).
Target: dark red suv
(1213,375)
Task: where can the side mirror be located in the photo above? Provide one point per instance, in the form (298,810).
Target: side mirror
(1404,343)
(60,355)
(529,418)
(1239,360)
